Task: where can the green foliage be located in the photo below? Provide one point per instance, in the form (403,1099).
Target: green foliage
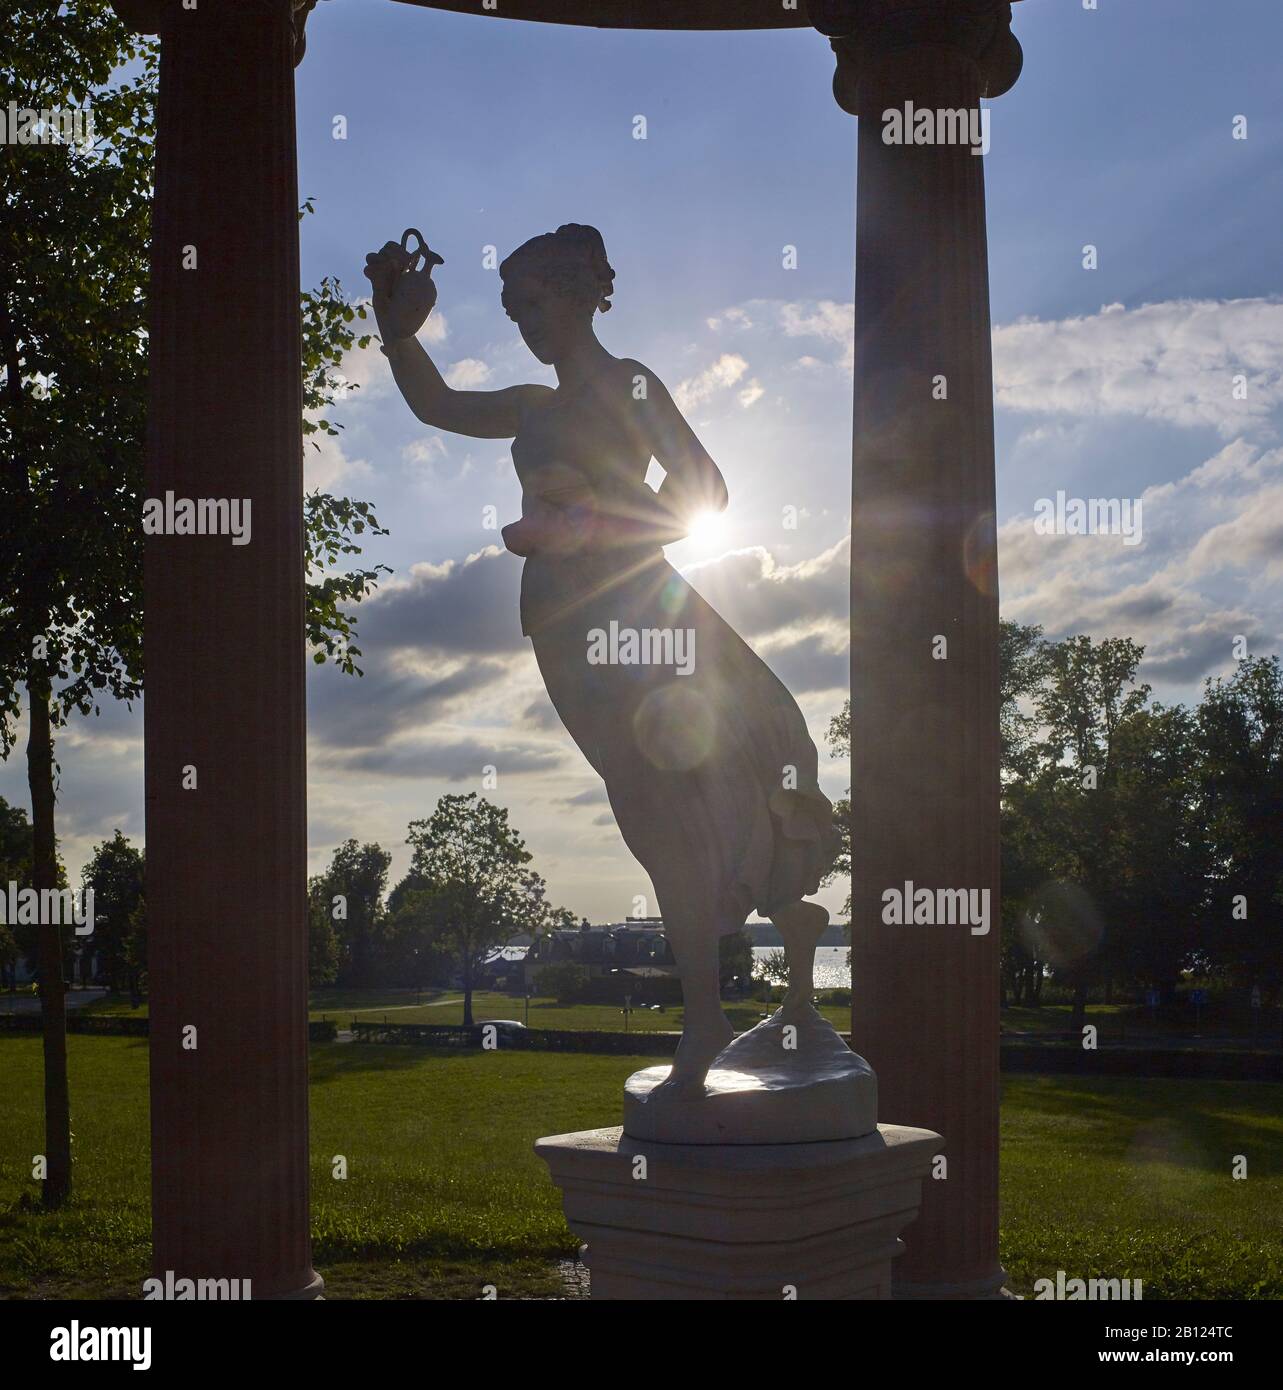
(773,967)
(563,980)
(347,916)
(1130,828)
(734,958)
(115,874)
(15,867)
(73,348)
(471,883)
(73,269)
(1239,738)
(840,746)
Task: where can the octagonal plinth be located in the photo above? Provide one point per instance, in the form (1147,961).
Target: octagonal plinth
(746,1221)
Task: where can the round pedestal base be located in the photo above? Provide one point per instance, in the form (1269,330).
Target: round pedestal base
(790,1080)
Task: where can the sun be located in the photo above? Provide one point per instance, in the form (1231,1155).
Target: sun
(706,528)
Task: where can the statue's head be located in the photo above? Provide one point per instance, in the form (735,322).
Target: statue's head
(553,285)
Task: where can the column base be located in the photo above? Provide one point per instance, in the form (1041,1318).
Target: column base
(987,1290)
(311,1292)
(741,1221)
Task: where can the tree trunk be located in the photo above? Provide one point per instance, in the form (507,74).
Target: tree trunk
(53,1008)
(1080,1008)
(467,995)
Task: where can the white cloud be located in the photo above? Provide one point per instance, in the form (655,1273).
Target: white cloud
(732,318)
(467,374)
(1206,572)
(1173,362)
(721,374)
(326,465)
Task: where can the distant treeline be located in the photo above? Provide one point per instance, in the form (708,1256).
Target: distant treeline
(1142,844)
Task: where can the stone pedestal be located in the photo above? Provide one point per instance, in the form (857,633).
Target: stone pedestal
(790,1077)
(741,1221)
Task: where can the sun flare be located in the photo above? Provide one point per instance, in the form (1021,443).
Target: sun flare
(707,528)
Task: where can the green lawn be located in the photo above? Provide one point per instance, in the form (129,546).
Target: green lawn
(1112,1178)
(446,1006)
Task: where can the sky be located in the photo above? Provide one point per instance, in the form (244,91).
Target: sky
(1112,382)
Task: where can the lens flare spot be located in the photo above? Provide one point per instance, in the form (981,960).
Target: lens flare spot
(675,727)
(1061,925)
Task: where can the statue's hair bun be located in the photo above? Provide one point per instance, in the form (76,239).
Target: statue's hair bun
(588,242)
(573,257)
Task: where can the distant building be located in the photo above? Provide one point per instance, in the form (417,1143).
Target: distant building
(635,946)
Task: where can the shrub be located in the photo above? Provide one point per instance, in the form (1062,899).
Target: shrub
(564,981)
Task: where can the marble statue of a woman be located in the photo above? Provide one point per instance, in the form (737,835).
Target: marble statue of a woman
(707,762)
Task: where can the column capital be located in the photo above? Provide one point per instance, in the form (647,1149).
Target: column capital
(868,32)
(150,16)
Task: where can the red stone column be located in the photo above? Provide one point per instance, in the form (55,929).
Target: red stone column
(224,650)
(925,769)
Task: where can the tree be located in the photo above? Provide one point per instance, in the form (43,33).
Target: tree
(350,895)
(15,867)
(564,980)
(469,879)
(323,948)
(73,349)
(1164,857)
(1021,671)
(1089,697)
(115,874)
(1022,664)
(735,959)
(840,747)
(1240,744)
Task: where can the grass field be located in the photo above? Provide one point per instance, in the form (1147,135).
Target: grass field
(1113,1178)
(1114,1022)
(443,1006)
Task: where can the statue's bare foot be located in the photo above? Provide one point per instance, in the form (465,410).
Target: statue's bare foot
(801,924)
(695,1053)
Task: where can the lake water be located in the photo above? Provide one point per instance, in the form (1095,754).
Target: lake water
(831,969)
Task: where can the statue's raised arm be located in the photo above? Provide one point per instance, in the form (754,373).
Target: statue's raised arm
(404,295)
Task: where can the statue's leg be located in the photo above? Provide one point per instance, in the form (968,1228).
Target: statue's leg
(705,1029)
(801,924)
